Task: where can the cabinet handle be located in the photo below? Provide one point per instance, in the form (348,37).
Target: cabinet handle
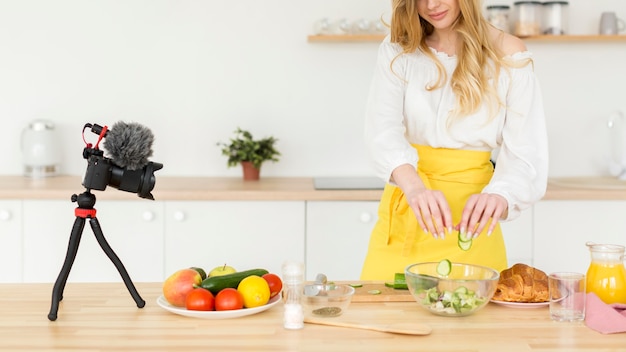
(148,215)
(5,215)
(365,217)
(179,215)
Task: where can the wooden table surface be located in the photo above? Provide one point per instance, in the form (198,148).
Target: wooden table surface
(103,317)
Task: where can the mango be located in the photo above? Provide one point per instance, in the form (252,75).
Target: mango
(179,284)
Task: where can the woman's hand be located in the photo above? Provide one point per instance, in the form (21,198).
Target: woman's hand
(429,206)
(431,210)
(480,210)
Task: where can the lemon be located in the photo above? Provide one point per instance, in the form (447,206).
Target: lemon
(255,291)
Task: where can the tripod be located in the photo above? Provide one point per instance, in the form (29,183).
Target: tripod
(86,202)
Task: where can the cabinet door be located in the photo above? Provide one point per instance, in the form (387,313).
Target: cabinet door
(518,237)
(11,237)
(242,234)
(337,236)
(133,229)
(563,227)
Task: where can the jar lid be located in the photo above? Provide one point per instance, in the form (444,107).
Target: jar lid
(527,3)
(556,3)
(498,7)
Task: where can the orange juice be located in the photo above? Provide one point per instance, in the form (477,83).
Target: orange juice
(608,281)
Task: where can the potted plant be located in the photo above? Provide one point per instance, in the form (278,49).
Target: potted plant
(250,153)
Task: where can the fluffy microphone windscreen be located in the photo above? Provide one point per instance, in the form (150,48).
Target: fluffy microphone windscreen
(129,145)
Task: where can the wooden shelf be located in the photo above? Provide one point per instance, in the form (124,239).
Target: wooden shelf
(346,38)
(540,38)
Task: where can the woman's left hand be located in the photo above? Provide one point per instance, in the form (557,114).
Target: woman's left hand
(480,210)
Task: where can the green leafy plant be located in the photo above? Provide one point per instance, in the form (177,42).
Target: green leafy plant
(243,147)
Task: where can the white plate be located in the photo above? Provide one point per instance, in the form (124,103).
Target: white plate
(223,314)
(521,304)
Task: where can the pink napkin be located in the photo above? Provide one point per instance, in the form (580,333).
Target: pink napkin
(604,318)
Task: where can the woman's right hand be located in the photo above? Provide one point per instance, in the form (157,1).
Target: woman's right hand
(429,206)
(431,210)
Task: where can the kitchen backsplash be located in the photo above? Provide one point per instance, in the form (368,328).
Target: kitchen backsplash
(194,71)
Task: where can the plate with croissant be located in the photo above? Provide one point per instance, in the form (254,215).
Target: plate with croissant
(522,286)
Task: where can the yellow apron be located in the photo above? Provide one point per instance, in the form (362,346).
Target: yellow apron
(397,240)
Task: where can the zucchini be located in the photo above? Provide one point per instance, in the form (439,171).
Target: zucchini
(217,283)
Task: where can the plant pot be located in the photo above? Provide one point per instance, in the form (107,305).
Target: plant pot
(250,173)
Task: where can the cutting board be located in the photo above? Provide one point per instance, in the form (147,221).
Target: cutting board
(387,294)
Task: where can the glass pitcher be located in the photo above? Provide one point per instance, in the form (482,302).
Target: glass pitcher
(606,276)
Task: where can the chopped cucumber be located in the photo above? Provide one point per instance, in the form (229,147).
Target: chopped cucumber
(465,245)
(444,267)
(399,282)
(356,285)
(463,237)
(458,301)
(374,292)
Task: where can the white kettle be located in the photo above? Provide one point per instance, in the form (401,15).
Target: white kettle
(617,140)
(40,149)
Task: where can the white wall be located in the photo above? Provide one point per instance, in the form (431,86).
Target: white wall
(194,70)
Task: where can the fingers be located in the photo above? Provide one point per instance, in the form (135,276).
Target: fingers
(433,213)
(481,211)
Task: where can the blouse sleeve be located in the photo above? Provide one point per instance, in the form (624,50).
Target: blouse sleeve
(385,138)
(521,171)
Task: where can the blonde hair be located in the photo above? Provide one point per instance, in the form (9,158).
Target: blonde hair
(479,60)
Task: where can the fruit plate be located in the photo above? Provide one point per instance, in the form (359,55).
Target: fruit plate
(224,314)
(521,304)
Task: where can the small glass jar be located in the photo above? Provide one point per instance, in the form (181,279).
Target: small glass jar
(555,17)
(527,18)
(498,16)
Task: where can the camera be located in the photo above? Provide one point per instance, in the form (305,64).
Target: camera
(102,171)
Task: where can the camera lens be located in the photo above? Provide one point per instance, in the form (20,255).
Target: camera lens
(136,181)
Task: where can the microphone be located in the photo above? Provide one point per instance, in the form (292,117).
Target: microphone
(129,144)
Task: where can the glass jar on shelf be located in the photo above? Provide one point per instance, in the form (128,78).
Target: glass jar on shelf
(527,20)
(498,16)
(555,17)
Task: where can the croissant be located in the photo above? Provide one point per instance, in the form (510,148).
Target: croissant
(522,283)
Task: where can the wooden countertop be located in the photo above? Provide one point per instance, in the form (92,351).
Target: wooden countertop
(102,317)
(272,188)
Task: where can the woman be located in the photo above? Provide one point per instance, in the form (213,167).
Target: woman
(449,92)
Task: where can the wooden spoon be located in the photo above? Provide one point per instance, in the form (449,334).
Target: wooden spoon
(394,328)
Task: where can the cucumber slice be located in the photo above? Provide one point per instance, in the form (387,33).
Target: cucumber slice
(464,238)
(444,267)
(465,245)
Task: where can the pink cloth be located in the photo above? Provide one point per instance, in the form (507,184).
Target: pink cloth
(604,318)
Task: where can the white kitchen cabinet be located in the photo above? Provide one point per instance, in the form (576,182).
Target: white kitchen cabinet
(518,237)
(561,229)
(133,229)
(242,234)
(11,237)
(337,236)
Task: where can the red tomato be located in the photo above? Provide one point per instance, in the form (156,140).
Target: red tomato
(276,284)
(228,299)
(200,299)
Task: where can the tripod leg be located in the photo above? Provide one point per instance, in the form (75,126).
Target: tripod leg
(72,249)
(97,230)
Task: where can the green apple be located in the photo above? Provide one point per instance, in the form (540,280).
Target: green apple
(222,270)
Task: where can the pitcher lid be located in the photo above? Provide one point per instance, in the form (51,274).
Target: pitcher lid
(41,125)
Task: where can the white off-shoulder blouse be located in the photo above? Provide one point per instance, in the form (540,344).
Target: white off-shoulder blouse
(400,112)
